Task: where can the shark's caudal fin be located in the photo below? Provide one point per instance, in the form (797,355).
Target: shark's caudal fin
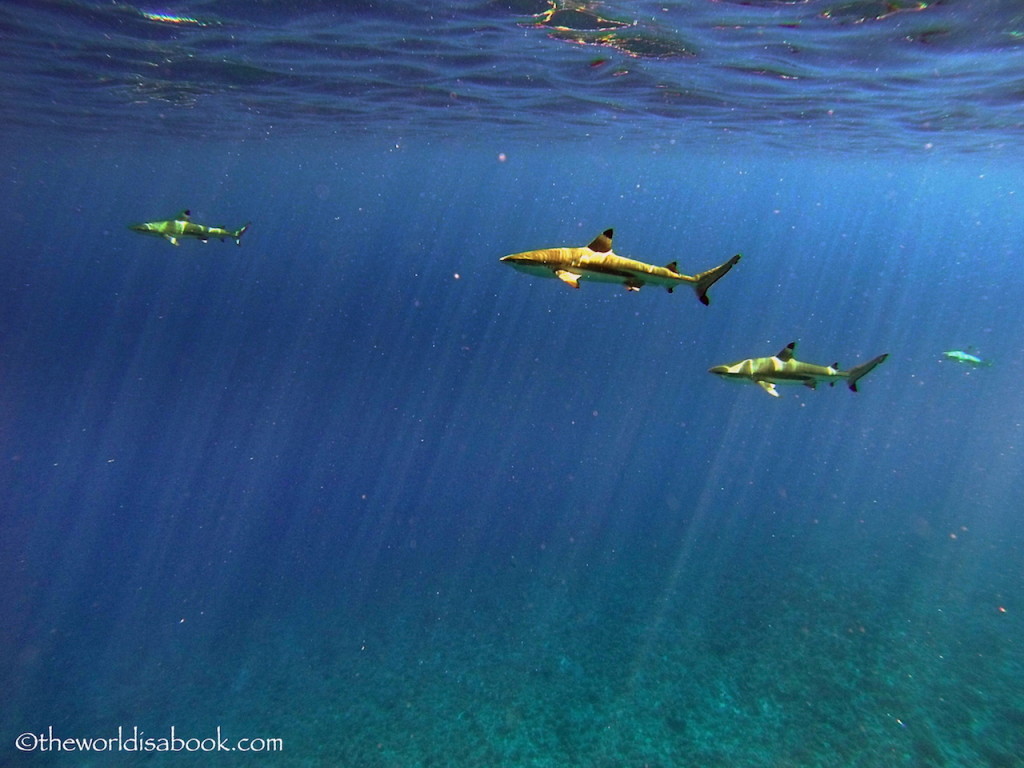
(706,279)
(239,233)
(862,370)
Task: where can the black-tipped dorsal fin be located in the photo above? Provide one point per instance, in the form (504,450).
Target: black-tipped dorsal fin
(185,215)
(603,242)
(786,354)
(672,266)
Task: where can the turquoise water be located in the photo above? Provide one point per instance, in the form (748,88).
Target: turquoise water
(357,486)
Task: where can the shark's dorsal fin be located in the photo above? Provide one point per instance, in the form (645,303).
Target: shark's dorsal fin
(786,354)
(185,215)
(603,242)
(672,266)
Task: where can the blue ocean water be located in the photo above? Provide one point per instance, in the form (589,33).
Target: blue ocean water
(358,487)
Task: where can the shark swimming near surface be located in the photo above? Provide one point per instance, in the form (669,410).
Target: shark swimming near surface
(598,263)
(783,368)
(182,226)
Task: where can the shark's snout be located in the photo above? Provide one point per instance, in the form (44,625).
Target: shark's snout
(729,372)
(516,258)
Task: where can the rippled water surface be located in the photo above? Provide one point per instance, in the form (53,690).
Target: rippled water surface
(868,74)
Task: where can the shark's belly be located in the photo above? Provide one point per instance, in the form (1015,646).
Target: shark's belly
(783,380)
(785,377)
(536,270)
(606,277)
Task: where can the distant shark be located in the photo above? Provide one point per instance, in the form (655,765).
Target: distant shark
(966,357)
(597,262)
(181,226)
(783,368)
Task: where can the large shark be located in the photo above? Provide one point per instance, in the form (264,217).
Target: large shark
(181,226)
(599,263)
(783,368)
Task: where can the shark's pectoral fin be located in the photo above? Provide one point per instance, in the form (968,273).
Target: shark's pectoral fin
(768,387)
(572,278)
(171,239)
(813,383)
(633,285)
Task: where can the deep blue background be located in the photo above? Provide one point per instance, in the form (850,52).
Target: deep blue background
(359,424)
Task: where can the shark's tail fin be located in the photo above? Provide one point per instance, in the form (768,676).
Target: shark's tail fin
(239,233)
(862,370)
(705,280)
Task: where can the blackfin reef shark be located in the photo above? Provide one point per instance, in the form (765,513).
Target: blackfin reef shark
(966,357)
(784,368)
(181,226)
(598,263)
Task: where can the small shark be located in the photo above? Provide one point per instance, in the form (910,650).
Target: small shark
(599,263)
(182,226)
(967,358)
(783,368)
